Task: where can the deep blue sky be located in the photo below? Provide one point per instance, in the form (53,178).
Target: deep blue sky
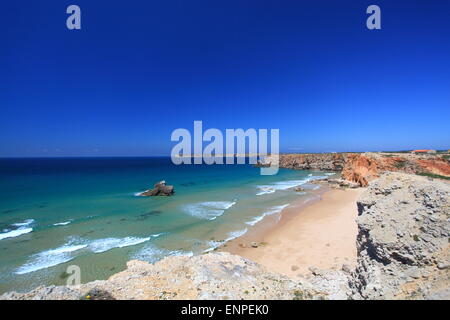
(139,69)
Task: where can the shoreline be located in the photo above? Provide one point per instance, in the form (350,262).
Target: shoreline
(309,236)
(316,233)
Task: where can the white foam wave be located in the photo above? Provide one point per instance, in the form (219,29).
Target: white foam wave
(265,190)
(284,185)
(208,210)
(49,258)
(20,229)
(273,210)
(235,234)
(318,177)
(281,185)
(24,223)
(231,236)
(65,253)
(62,223)
(102,245)
(15,233)
(152,253)
(139,194)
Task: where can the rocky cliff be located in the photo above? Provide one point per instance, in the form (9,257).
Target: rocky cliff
(210,276)
(362,168)
(403,239)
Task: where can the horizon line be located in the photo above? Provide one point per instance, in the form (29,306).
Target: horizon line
(195,155)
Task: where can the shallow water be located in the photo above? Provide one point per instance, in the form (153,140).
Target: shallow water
(84,211)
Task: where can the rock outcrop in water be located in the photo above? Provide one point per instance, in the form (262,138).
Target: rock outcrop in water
(160,189)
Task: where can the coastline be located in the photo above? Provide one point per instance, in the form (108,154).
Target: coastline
(382,232)
(316,234)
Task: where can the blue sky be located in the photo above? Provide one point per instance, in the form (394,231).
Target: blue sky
(137,70)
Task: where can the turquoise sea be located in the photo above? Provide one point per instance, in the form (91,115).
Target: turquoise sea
(57,212)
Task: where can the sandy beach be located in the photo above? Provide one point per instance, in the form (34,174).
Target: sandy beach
(321,234)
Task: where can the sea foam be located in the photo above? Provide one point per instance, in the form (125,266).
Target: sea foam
(62,223)
(65,253)
(139,194)
(208,210)
(235,234)
(102,245)
(50,258)
(151,253)
(281,185)
(15,233)
(22,228)
(24,223)
(231,236)
(284,185)
(273,210)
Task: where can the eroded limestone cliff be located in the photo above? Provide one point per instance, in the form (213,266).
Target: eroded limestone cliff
(364,167)
(209,276)
(403,239)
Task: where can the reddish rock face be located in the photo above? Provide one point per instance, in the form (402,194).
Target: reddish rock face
(360,169)
(436,166)
(364,167)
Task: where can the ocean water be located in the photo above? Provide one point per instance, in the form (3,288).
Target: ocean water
(88,212)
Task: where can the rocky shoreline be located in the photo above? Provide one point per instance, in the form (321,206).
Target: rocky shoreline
(361,168)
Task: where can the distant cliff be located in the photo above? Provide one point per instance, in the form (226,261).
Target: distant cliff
(364,167)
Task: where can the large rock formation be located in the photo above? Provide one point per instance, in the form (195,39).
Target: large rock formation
(160,189)
(362,168)
(403,239)
(209,276)
(311,161)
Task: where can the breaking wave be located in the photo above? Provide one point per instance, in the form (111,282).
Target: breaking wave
(65,253)
(273,210)
(102,245)
(284,185)
(22,228)
(208,210)
(25,223)
(62,223)
(50,258)
(231,236)
(15,233)
(152,253)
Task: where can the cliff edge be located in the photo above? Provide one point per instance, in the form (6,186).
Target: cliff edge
(361,168)
(403,239)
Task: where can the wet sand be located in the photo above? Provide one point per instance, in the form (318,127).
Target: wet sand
(320,233)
